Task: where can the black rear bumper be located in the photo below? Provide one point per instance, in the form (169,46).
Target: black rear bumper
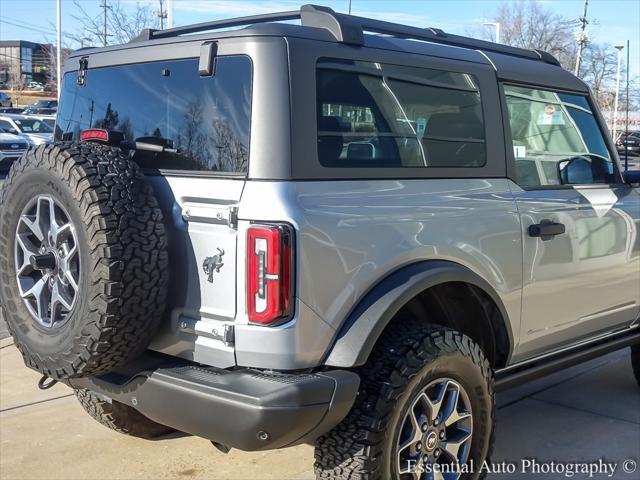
(245,409)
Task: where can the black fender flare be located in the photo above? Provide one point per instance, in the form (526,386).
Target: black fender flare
(363,326)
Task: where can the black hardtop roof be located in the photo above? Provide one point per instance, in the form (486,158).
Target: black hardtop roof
(324,24)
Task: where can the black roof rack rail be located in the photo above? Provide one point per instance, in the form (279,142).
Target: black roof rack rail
(350,29)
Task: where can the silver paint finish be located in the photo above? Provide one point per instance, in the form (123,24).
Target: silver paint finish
(587,281)
(351,234)
(200,309)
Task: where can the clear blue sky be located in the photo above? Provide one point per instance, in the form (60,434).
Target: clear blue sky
(613,21)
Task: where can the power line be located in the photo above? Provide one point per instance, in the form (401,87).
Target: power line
(30,26)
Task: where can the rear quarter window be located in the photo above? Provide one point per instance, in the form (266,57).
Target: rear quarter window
(207,119)
(374,115)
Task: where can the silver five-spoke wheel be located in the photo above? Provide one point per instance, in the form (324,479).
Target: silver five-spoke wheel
(436,433)
(47,261)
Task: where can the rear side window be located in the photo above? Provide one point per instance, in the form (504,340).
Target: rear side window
(207,119)
(374,115)
(556,139)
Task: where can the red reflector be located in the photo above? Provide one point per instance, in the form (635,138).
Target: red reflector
(94,134)
(269,273)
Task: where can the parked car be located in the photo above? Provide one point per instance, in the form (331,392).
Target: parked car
(5,100)
(44,103)
(43,111)
(14,110)
(307,233)
(35,86)
(628,142)
(11,147)
(36,131)
(48,119)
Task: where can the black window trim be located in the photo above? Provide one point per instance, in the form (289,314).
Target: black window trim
(508,150)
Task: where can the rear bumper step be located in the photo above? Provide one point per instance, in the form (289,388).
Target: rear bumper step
(245,409)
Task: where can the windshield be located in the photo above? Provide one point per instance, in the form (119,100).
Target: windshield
(30,125)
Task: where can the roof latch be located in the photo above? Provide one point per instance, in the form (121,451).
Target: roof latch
(207,63)
(82,71)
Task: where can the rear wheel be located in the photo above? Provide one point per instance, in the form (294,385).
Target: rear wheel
(119,417)
(425,409)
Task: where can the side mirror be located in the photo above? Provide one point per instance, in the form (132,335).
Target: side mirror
(632,176)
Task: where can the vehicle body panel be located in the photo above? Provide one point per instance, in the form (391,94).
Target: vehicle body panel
(586,281)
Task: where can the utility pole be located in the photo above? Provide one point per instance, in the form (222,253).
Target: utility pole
(349,7)
(615,103)
(161,14)
(582,37)
(104,23)
(169,13)
(59,48)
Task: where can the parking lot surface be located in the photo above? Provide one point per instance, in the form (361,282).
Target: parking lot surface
(585,413)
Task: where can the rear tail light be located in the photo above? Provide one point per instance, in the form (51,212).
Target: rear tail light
(269,273)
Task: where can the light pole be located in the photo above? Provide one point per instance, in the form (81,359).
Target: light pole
(58,46)
(497,27)
(615,104)
(169,13)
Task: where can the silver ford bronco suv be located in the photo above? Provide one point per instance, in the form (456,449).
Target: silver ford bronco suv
(344,231)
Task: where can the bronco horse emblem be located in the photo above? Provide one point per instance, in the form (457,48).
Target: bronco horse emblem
(213,264)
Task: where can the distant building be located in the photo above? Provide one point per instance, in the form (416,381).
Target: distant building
(22,62)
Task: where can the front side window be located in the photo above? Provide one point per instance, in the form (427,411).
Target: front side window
(31,125)
(373,115)
(7,127)
(556,139)
(206,119)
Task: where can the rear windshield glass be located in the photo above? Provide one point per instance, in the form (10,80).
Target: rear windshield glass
(207,119)
(380,115)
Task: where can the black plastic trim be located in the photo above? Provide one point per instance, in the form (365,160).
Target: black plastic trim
(364,325)
(533,369)
(245,408)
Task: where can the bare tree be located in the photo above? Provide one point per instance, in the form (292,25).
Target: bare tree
(527,24)
(49,57)
(122,24)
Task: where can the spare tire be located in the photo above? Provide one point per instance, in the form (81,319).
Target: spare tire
(83,259)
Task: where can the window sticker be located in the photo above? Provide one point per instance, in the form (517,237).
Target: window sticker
(519,151)
(551,116)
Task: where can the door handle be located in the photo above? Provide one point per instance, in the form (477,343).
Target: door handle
(546,229)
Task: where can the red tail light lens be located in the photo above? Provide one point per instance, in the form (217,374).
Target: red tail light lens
(269,273)
(94,134)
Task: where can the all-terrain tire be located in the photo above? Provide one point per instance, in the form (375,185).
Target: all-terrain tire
(120,417)
(407,357)
(122,255)
(635,361)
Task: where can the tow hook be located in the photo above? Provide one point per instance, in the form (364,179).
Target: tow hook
(44,385)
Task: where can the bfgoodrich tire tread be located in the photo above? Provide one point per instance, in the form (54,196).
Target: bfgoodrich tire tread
(355,448)
(126,253)
(120,417)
